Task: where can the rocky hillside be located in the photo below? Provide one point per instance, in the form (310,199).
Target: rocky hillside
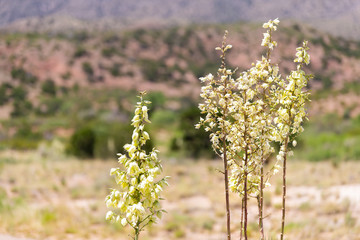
(337,17)
(169,60)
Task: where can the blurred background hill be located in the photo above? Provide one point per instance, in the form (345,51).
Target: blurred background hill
(337,17)
(57,55)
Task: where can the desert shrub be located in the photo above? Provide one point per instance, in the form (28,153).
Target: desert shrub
(24,76)
(81,36)
(82,142)
(102,140)
(111,138)
(154,71)
(111,38)
(115,70)
(80,52)
(48,87)
(19,93)
(194,142)
(87,68)
(21,108)
(66,76)
(4,94)
(49,106)
(109,52)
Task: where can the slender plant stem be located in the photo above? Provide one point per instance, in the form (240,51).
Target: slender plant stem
(137,233)
(284,191)
(226,175)
(226,179)
(242,218)
(245,193)
(261,201)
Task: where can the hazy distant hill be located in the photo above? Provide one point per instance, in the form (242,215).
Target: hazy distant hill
(337,17)
(169,60)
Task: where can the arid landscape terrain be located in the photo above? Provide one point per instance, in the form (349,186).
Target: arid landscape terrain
(48,196)
(70,72)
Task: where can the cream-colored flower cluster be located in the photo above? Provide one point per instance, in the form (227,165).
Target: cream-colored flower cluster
(252,111)
(217,94)
(137,200)
(267,40)
(291,99)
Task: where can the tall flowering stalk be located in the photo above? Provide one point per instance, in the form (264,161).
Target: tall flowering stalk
(252,129)
(217,94)
(267,78)
(136,201)
(247,115)
(291,113)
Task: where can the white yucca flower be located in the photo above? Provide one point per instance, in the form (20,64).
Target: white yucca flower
(137,199)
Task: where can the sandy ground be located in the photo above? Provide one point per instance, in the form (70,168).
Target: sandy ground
(48,199)
(8,237)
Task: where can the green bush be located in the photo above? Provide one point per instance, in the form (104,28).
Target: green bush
(115,70)
(111,138)
(154,71)
(88,69)
(21,108)
(19,93)
(82,142)
(194,142)
(102,140)
(24,76)
(49,106)
(80,52)
(66,76)
(108,52)
(4,94)
(48,87)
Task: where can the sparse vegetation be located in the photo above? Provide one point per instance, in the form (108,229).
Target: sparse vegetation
(49,88)
(58,105)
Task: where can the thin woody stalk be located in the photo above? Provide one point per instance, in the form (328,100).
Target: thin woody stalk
(301,54)
(216,94)
(261,201)
(284,191)
(226,179)
(245,195)
(226,175)
(242,218)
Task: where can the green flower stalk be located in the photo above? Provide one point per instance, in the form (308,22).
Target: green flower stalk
(136,201)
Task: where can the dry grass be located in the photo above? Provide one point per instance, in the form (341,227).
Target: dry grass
(63,198)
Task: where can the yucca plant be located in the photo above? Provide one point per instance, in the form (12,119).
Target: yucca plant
(136,201)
